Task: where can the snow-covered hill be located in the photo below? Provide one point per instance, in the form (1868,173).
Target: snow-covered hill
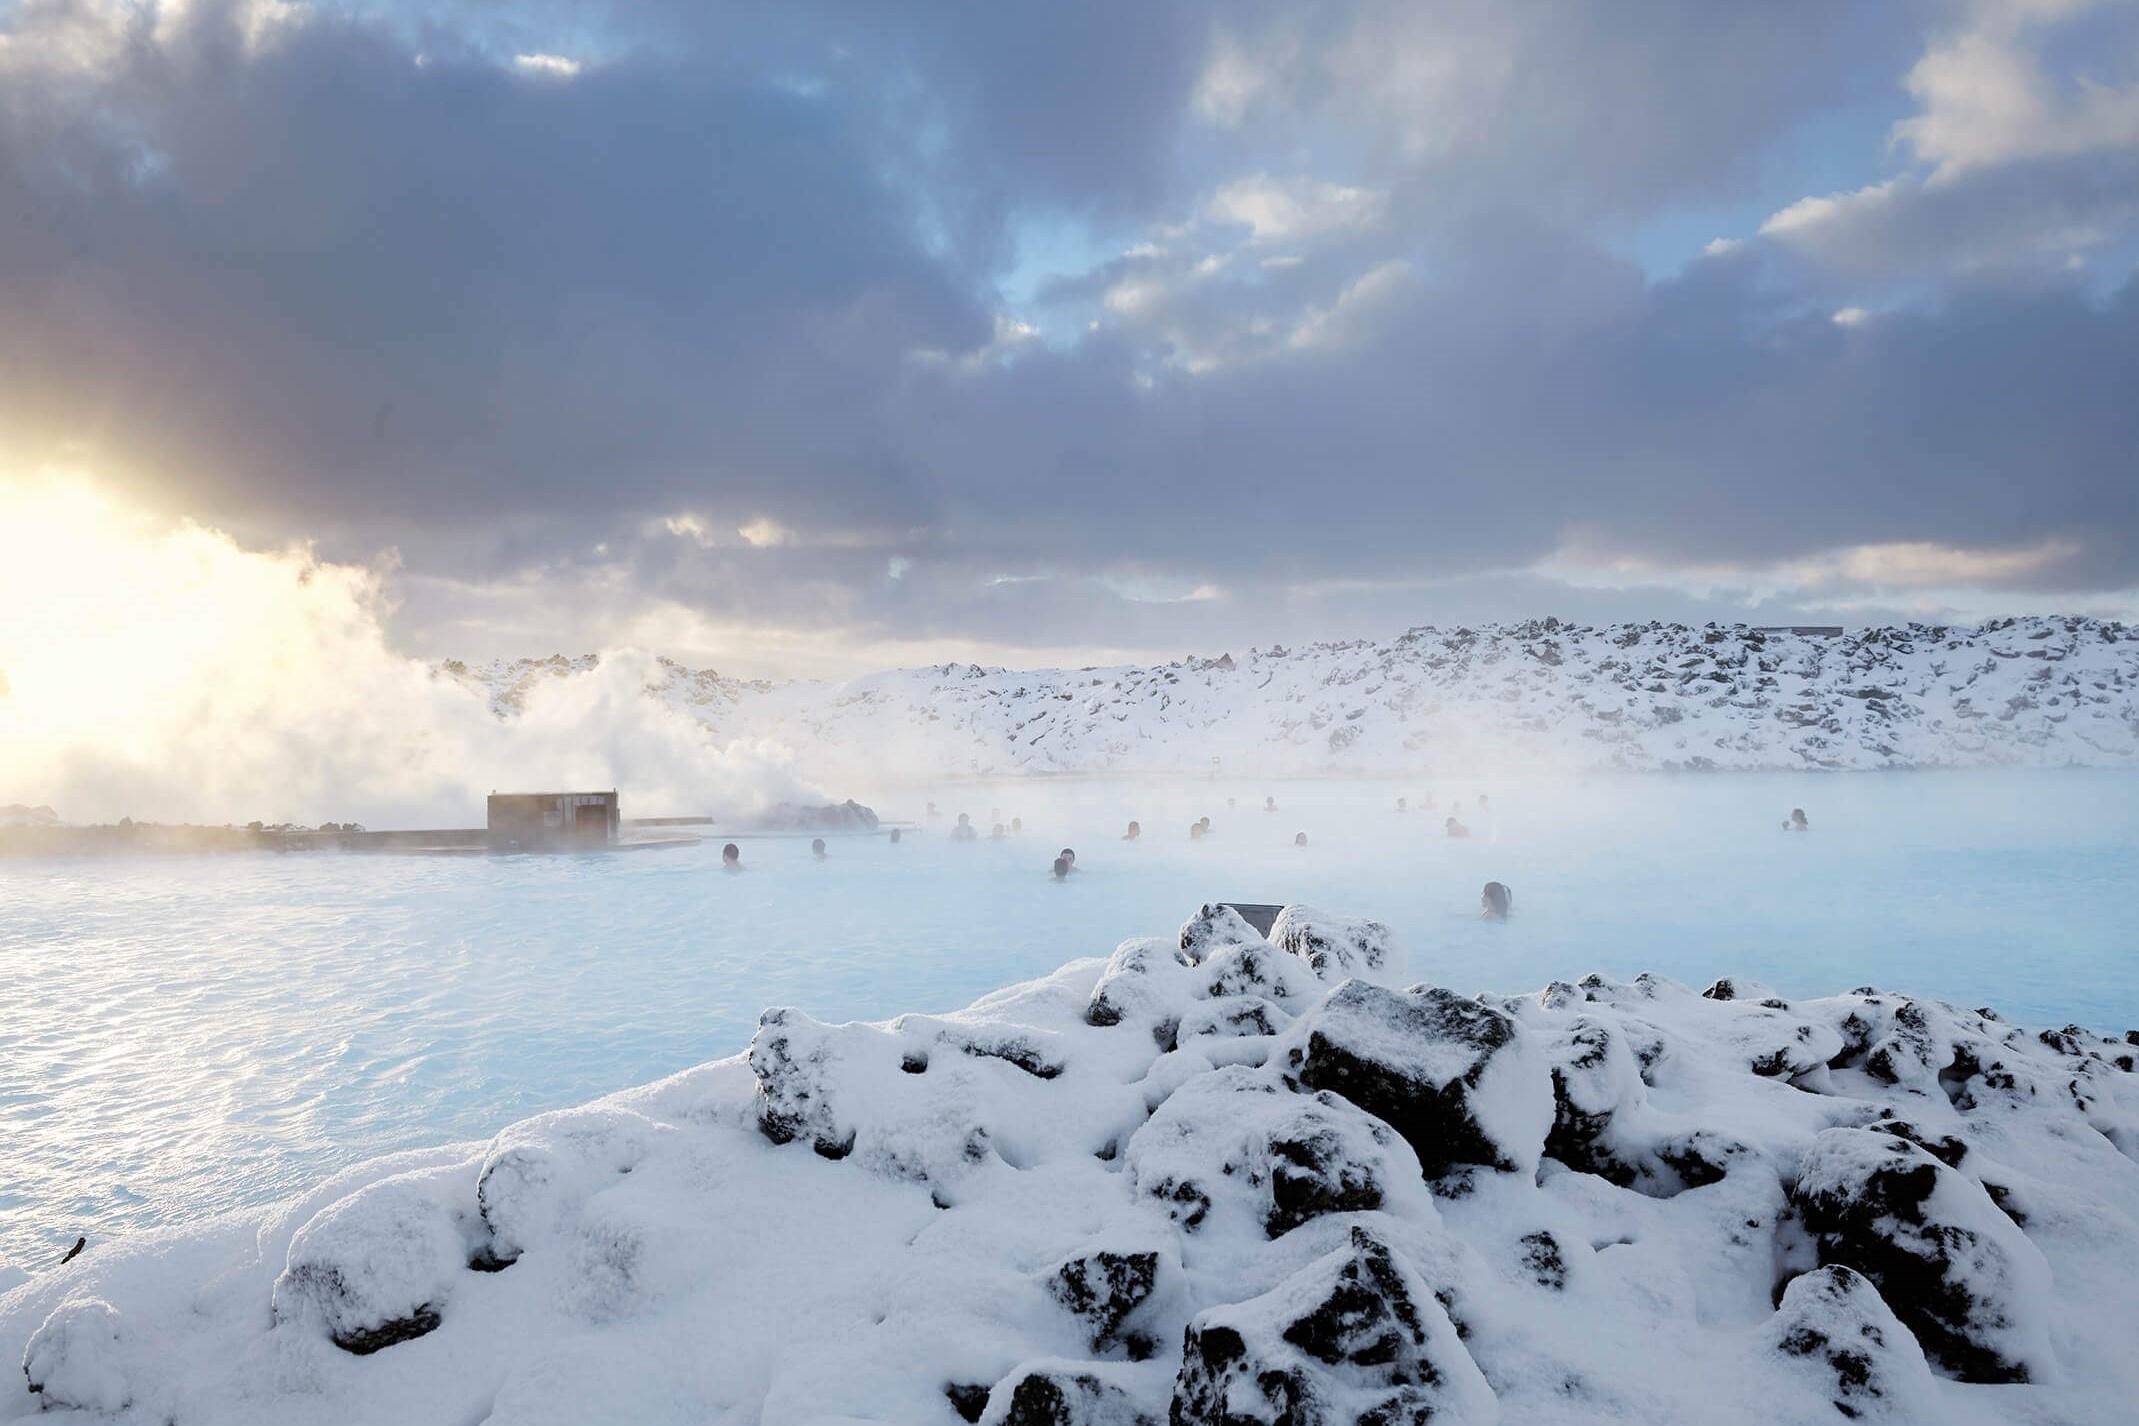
(1216,1179)
(1534,696)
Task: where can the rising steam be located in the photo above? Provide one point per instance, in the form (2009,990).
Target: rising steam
(167,673)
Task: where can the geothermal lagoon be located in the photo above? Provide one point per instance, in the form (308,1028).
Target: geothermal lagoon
(195,1035)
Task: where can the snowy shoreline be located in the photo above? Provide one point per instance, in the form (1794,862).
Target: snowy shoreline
(1215,1177)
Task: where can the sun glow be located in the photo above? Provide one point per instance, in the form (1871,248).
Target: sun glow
(162,670)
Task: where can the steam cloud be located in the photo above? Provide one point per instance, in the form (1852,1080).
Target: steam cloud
(167,673)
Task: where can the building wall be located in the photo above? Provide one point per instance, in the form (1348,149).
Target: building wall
(538,820)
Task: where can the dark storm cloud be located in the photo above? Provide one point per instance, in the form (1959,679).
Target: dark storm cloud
(357,276)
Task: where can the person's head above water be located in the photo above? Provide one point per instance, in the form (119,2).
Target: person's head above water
(1496,900)
(1069,854)
(1204,823)
(894,835)
(1269,804)
(1299,839)
(1402,805)
(1062,868)
(1195,831)
(817,845)
(1136,829)
(1017,824)
(731,855)
(965,819)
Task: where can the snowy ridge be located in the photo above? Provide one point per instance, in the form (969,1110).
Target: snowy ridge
(1213,1179)
(1540,695)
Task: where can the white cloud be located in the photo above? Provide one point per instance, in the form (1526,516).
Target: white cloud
(1850,317)
(1231,81)
(1987,100)
(1288,210)
(765,533)
(1351,316)
(547,66)
(1808,216)
(2026,150)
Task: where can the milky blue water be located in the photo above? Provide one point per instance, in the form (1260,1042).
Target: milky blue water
(180,1036)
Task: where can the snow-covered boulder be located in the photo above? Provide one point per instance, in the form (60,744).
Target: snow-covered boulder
(1953,1267)
(1067,1393)
(1602,1122)
(1833,1322)
(1335,947)
(377,1267)
(1148,981)
(1237,1143)
(1260,969)
(1214,925)
(921,1098)
(1356,1336)
(540,1171)
(1460,1080)
(76,1358)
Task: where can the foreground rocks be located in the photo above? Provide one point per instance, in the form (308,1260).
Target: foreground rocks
(1215,1179)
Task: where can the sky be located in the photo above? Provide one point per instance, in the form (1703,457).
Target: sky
(813,337)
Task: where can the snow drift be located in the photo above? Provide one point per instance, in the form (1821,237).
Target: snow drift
(1537,696)
(1212,1178)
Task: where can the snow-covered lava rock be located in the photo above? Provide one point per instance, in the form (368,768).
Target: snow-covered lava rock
(1541,693)
(1211,1180)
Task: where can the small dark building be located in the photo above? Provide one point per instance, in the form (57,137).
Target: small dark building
(552,821)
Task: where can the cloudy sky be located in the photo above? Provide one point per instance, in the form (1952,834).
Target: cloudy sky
(825,334)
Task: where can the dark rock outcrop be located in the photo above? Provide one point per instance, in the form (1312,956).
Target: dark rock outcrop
(1353,1337)
(1104,1288)
(1061,1394)
(1952,1266)
(1458,1079)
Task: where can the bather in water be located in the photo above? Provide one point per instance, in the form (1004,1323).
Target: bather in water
(1136,829)
(1269,804)
(1402,805)
(817,848)
(1069,857)
(731,857)
(1496,901)
(1797,822)
(1454,828)
(965,831)
(894,836)
(1299,839)
(1062,868)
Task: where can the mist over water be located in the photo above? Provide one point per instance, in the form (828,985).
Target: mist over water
(191,1034)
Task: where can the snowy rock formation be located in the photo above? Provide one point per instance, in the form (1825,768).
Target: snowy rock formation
(1211,1180)
(2040,691)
